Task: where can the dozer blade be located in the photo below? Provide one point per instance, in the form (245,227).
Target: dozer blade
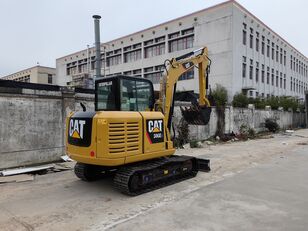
(196,115)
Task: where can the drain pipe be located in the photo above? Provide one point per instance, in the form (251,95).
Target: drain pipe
(97,47)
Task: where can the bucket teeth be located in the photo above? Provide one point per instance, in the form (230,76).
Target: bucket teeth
(196,115)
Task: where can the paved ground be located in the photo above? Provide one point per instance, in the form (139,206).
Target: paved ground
(254,185)
(273,196)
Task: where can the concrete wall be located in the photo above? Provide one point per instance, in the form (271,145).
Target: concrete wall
(306,103)
(236,117)
(32,123)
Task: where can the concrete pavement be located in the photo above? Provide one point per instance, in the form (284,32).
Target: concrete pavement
(273,196)
(258,184)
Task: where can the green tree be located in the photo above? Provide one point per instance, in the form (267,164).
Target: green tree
(220,97)
(240,100)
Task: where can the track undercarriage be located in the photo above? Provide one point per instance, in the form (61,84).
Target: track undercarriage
(148,175)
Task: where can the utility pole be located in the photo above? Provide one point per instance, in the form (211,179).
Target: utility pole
(97,47)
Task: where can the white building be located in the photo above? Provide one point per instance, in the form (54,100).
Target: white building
(36,74)
(247,56)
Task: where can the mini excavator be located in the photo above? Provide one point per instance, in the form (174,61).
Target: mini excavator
(128,135)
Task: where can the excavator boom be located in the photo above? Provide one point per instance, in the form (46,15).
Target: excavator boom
(198,114)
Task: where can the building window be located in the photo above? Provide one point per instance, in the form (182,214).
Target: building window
(188,31)
(114,60)
(174,35)
(154,50)
(244,70)
(262,46)
(250,71)
(154,77)
(291,62)
(277,54)
(50,78)
(262,76)
(132,56)
(181,44)
(251,38)
(257,74)
(268,48)
(284,58)
(273,77)
(257,44)
(251,41)
(277,79)
(273,51)
(244,37)
(187,75)
(149,42)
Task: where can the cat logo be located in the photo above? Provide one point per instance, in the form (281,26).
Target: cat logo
(155,130)
(76,128)
(155,126)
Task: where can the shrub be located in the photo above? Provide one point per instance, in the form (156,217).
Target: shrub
(288,102)
(194,144)
(251,133)
(247,132)
(220,95)
(183,134)
(302,107)
(259,103)
(273,102)
(240,100)
(271,125)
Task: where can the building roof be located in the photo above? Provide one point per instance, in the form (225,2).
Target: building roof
(27,69)
(191,14)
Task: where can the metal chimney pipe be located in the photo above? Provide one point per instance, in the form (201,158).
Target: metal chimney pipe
(97,47)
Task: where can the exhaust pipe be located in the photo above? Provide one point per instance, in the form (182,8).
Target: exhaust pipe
(97,47)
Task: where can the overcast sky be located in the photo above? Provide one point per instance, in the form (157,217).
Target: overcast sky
(34,31)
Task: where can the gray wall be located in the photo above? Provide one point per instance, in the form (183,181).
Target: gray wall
(32,123)
(306,103)
(236,117)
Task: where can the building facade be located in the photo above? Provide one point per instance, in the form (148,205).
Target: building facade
(36,74)
(247,56)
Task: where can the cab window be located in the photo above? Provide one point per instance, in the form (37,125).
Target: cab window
(106,96)
(135,95)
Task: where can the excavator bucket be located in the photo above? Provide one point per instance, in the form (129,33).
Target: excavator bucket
(196,115)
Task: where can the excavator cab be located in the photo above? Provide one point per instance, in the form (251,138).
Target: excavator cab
(124,93)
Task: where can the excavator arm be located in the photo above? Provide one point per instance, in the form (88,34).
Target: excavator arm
(199,113)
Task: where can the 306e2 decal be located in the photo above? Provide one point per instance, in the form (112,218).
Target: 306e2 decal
(155,130)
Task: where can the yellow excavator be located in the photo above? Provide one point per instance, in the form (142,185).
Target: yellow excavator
(128,135)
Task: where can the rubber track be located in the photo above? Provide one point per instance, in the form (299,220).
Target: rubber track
(122,177)
(79,170)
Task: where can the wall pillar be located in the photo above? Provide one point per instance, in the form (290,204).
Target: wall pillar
(68,105)
(306,106)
